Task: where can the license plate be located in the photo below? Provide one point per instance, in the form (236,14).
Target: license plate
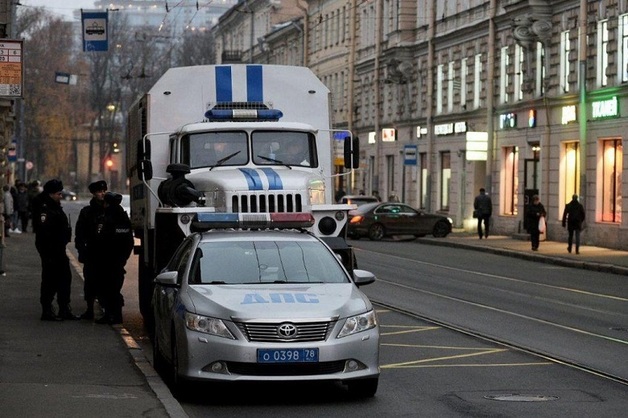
(293,355)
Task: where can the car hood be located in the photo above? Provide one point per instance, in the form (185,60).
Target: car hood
(278,301)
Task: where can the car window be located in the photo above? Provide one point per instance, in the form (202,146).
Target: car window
(266,262)
(180,258)
(407,210)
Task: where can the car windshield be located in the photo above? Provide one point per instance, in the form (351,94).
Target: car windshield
(211,149)
(255,262)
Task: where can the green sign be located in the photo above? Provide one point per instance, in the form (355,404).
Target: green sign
(605,108)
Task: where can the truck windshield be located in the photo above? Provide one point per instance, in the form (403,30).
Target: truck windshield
(210,149)
(285,148)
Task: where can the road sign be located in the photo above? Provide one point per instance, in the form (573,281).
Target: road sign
(409,154)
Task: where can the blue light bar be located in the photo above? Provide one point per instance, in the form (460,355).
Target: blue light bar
(244,114)
(207,221)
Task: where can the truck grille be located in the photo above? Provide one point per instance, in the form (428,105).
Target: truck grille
(267,203)
(305,332)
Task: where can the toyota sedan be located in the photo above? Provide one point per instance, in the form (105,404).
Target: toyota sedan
(379,220)
(264,305)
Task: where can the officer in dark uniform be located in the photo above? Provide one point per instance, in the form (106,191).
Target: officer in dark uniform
(88,225)
(116,243)
(53,232)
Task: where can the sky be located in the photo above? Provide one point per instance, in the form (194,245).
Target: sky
(60,8)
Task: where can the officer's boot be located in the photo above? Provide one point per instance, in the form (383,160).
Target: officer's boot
(48,314)
(89,313)
(65,312)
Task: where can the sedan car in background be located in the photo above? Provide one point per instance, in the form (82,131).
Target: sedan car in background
(379,220)
(357,199)
(68,195)
(263,305)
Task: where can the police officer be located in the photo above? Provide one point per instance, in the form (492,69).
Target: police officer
(116,242)
(88,225)
(53,232)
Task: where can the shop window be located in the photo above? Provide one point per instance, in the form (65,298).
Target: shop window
(571,171)
(445,179)
(611,180)
(511,180)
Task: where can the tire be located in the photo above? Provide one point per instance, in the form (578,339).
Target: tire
(363,388)
(376,232)
(178,385)
(441,229)
(160,364)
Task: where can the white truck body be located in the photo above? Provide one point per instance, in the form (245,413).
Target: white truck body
(172,118)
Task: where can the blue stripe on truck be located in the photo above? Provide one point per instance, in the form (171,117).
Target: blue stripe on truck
(254,84)
(252,178)
(274,181)
(224,86)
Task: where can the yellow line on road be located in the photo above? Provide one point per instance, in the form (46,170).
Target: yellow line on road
(408,331)
(409,363)
(439,347)
(435,366)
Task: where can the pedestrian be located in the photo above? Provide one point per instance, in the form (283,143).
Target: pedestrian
(52,234)
(533,214)
(88,225)
(483,210)
(117,239)
(7,212)
(573,217)
(22,204)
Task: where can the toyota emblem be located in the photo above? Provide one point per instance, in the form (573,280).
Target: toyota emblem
(287,330)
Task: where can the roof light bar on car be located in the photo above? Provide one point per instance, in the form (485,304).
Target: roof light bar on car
(244,114)
(276,220)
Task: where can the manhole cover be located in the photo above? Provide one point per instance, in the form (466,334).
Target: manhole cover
(517,397)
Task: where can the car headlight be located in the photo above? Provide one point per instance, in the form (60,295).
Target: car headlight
(358,323)
(213,326)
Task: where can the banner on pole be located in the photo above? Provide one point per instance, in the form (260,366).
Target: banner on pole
(95,34)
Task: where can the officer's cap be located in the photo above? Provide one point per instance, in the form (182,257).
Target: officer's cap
(53,186)
(112,198)
(97,186)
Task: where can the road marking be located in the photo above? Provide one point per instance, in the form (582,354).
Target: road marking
(406,329)
(429,360)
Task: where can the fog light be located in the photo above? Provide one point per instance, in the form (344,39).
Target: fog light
(216,367)
(351,366)
(327,225)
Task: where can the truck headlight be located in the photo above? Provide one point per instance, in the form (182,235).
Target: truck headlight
(207,325)
(317,192)
(358,323)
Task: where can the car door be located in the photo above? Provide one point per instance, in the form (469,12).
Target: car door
(388,214)
(410,222)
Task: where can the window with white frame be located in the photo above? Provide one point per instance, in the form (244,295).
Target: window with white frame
(445,179)
(565,47)
(463,82)
(519,75)
(390,175)
(622,49)
(450,87)
(511,180)
(570,168)
(611,180)
(503,75)
(602,53)
(540,69)
(477,81)
(439,89)
(424,172)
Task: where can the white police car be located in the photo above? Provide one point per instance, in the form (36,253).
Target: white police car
(263,305)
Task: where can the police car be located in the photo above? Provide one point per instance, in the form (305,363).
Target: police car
(245,299)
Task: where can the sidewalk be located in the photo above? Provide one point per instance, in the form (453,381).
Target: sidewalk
(69,368)
(590,258)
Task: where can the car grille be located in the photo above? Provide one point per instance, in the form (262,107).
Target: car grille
(261,203)
(292,369)
(305,332)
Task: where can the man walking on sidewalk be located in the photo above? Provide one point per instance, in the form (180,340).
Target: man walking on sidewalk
(483,209)
(52,233)
(573,217)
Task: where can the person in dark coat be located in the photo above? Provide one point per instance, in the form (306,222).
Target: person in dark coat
(116,244)
(22,205)
(483,206)
(533,214)
(88,225)
(573,217)
(53,232)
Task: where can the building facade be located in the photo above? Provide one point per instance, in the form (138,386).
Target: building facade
(520,97)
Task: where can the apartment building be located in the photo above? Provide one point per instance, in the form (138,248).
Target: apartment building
(450,96)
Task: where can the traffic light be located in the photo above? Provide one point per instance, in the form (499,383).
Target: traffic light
(109,163)
(115,147)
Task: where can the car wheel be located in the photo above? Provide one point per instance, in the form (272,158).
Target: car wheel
(363,388)
(441,229)
(179,385)
(376,232)
(159,361)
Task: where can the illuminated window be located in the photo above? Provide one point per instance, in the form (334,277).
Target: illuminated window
(477,81)
(511,180)
(602,53)
(571,171)
(564,61)
(505,80)
(445,179)
(611,180)
(424,171)
(622,50)
(519,75)
(540,69)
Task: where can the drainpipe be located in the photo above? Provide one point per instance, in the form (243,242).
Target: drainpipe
(378,52)
(430,104)
(490,91)
(582,108)
(306,33)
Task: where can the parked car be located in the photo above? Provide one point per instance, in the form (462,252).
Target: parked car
(379,220)
(357,199)
(256,305)
(68,195)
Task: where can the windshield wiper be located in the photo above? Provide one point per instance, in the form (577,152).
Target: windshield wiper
(224,160)
(272,160)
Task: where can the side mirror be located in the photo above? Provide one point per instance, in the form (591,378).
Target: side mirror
(363,277)
(167,278)
(352,152)
(145,170)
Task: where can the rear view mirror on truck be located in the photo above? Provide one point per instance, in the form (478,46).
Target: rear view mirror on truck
(352,152)
(145,170)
